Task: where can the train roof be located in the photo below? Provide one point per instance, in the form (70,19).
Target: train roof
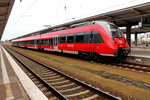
(53,29)
(51,34)
(32,38)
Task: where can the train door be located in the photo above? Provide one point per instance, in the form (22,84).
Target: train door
(56,43)
(70,38)
(91,42)
(35,43)
(39,42)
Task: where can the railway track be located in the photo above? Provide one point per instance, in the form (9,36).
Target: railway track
(131,66)
(57,85)
(138,67)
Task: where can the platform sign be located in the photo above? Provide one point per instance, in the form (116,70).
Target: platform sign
(145,21)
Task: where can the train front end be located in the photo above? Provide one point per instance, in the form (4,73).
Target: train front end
(117,40)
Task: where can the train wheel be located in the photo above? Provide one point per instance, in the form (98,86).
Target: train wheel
(96,57)
(84,55)
(40,49)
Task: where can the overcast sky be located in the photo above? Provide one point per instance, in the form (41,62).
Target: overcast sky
(31,15)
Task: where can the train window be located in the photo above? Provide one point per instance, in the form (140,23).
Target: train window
(23,42)
(97,37)
(38,42)
(51,42)
(79,38)
(86,36)
(62,39)
(32,42)
(27,42)
(46,42)
(42,42)
(70,38)
(91,37)
(35,42)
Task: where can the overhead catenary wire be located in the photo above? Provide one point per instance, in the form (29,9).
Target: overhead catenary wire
(95,12)
(21,16)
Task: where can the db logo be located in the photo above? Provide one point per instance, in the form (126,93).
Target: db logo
(120,41)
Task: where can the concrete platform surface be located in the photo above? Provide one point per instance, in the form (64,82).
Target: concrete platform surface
(139,56)
(140,52)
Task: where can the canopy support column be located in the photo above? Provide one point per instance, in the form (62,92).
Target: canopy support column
(128,33)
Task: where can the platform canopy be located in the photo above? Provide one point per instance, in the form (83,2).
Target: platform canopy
(137,30)
(122,17)
(5,9)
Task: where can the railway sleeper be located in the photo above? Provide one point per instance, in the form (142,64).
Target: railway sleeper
(47,75)
(56,80)
(44,89)
(37,82)
(93,97)
(54,98)
(50,72)
(60,82)
(51,78)
(40,69)
(67,86)
(82,95)
(44,71)
(78,94)
(40,86)
(50,75)
(73,90)
(28,73)
(33,79)
(48,94)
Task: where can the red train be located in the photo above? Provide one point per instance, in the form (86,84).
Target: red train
(88,40)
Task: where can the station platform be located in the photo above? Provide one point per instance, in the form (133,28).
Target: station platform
(139,56)
(139,52)
(14,83)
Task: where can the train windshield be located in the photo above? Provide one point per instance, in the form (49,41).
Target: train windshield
(114,31)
